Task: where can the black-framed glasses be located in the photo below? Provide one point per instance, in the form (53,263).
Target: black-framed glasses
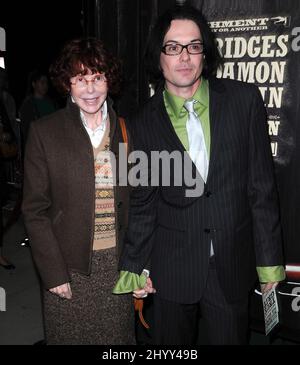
(175,49)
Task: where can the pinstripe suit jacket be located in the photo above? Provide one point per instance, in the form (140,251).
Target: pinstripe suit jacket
(238,210)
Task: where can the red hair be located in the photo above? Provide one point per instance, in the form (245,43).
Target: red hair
(80,56)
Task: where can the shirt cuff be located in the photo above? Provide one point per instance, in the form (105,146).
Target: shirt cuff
(128,282)
(270,274)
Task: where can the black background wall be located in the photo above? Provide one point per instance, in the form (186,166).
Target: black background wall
(124,26)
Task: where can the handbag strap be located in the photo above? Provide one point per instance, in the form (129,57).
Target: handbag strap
(124,132)
(138,303)
(138,306)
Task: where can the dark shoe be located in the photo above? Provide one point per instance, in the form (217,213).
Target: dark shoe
(8,266)
(40,343)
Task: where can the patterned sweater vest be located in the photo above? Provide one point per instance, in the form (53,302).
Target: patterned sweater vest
(104,234)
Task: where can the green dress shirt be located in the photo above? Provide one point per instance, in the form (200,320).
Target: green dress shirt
(178,115)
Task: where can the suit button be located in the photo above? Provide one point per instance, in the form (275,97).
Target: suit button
(207,230)
(119,204)
(208,194)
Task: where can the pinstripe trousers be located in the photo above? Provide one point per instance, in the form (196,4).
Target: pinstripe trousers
(225,323)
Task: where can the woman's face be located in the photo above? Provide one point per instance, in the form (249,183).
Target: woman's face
(89,91)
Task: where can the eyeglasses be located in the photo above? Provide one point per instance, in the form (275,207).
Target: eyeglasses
(175,49)
(81,82)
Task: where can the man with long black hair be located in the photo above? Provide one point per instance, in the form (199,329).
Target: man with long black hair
(206,251)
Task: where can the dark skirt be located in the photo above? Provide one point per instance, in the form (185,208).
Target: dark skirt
(94,316)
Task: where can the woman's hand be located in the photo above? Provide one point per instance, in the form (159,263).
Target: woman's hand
(63,291)
(148,288)
(268,286)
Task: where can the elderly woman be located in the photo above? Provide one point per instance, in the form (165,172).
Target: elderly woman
(74,214)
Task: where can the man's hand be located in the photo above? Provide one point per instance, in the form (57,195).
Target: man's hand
(63,291)
(142,293)
(268,286)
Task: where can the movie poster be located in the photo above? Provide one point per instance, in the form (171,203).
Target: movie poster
(260,43)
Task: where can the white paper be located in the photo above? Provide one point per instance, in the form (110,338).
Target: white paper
(270,306)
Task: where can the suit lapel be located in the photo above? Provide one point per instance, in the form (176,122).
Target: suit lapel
(112,119)
(165,125)
(216,113)
(171,142)
(217,110)
(78,127)
(75,129)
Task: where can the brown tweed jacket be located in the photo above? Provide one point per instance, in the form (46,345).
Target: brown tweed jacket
(59,194)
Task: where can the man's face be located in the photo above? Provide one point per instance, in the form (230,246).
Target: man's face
(182,72)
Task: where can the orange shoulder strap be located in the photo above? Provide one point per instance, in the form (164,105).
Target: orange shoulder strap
(138,306)
(124,131)
(138,303)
